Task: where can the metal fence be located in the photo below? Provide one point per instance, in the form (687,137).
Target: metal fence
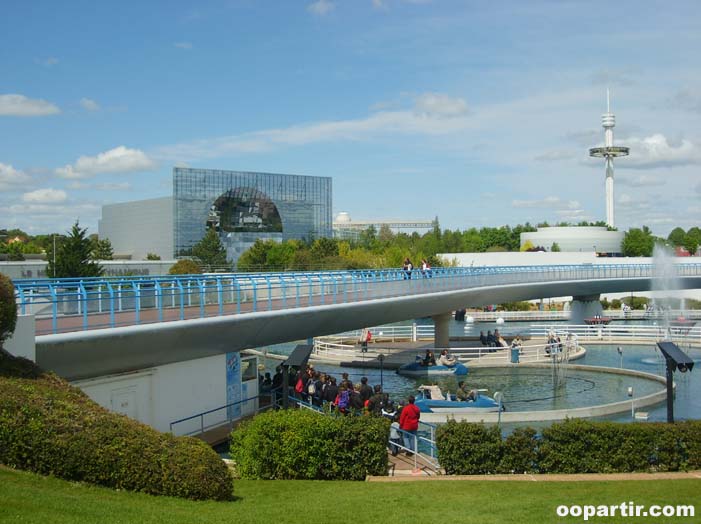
(72,304)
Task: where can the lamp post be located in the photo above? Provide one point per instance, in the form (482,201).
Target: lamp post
(54,275)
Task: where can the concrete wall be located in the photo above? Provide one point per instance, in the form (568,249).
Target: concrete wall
(160,395)
(140,227)
(22,343)
(113,268)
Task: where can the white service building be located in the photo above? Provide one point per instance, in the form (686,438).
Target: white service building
(576,239)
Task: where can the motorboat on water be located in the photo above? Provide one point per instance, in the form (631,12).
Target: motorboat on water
(597,321)
(430,399)
(418,369)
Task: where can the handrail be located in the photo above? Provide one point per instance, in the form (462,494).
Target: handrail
(234,293)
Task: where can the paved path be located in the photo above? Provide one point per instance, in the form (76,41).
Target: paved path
(588,477)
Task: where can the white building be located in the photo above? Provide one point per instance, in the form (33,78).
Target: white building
(138,228)
(576,239)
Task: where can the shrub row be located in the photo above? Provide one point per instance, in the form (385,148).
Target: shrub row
(573,446)
(52,428)
(302,444)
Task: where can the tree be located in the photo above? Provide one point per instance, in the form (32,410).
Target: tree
(8,308)
(210,252)
(185,267)
(677,237)
(638,242)
(152,256)
(555,248)
(102,249)
(74,256)
(324,248)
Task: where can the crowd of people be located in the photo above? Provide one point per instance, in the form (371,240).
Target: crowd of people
(493,340)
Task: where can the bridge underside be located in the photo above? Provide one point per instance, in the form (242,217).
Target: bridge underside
(86,354)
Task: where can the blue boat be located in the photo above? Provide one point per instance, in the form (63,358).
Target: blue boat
(416,369)
(430,399)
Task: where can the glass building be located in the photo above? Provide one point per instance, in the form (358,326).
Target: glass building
(244,206)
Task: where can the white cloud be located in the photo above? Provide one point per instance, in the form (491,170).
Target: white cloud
(437,104)
(20,105)
(48,62)
(432,114)
(11,177)
(554,156)
(656,151)
(45,196)
(686,100)
(89,104)
(550,202)
(118,160)
(609,77)
(379,4)
(321,7)
(640,181)
(183,45)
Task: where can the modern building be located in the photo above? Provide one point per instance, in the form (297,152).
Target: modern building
(346,229)
(138,228)
(241,206)
(576,239)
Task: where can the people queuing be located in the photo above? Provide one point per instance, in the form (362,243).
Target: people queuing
(321,389)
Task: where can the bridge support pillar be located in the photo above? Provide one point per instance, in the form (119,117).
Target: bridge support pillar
(585,306)
(441,335)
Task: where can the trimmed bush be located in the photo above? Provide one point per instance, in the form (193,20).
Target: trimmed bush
(8,308)
(520,452)
(465,448)
(580,446)
(302,444)
(573,446)
(50,427)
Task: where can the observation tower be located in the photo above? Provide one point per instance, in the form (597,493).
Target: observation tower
(609,152)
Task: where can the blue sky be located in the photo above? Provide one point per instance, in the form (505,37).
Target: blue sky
(480,113)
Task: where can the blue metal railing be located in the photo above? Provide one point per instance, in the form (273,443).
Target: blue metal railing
(74,304)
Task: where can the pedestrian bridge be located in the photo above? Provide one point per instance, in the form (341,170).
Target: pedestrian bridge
(87,327)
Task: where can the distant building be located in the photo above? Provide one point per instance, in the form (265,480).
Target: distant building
(346,229)
(576,239)
(241,206)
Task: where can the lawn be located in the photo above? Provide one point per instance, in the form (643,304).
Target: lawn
(30,498)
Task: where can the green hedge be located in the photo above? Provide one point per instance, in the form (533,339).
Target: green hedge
(50,427)
(573,446)
(302,444)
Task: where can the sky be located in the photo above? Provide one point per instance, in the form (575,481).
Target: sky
(479,113)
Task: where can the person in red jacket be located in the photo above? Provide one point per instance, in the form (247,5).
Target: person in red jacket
(409,423)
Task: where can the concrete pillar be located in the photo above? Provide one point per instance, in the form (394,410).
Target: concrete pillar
(22,342)
(441,335)
(585,306)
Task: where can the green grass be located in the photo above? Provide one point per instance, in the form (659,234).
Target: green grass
(26,497)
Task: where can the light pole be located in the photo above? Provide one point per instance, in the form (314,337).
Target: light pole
(54,275)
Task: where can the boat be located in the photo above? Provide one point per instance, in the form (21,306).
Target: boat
(681,322)
(430,399)
(597,321)
(417,369)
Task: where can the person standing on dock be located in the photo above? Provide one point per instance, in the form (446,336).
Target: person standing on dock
(409,424)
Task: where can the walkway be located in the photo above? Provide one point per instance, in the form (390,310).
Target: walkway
(529,477)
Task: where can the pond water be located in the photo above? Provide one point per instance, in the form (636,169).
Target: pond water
(531,389)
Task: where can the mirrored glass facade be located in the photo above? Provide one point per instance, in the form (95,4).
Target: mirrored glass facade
(245,206)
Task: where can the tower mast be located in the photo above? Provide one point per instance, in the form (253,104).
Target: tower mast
(608,153)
